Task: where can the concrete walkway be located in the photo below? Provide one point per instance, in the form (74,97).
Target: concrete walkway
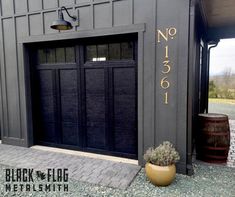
(85,169)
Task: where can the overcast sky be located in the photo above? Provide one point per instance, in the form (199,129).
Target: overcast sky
(223,57)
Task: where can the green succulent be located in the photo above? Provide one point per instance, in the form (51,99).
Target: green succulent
(163,155)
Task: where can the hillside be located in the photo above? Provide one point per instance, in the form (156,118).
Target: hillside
(224,81)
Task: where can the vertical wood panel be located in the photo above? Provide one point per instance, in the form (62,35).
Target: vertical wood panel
(35,24)
(85,17)
(35,5)
(50,4)
(144,13)
(21,27)
(22,30)
(7,7)
(20,6)
(0,7)
(102,15)
(121,12)
(3,112)
(11,78)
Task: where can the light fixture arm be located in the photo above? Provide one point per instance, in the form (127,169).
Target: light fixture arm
(64,8)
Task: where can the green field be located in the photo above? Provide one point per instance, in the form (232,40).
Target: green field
(224,106)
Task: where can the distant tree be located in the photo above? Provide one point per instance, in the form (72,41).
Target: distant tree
(227,74)
(213,90)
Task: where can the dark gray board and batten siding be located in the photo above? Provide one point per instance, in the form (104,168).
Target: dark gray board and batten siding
(27,21)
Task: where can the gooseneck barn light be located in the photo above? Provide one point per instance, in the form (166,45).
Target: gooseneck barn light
(60,23)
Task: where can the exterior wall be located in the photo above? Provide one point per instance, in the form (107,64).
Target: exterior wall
(198,69)
(28,21)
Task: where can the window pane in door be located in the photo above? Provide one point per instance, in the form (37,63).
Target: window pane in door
(127,50)
(50,55)
(70,54)
(102,52)
(41,56)
(114,51)
(60,55)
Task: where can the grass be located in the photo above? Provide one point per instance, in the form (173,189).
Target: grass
(225,101)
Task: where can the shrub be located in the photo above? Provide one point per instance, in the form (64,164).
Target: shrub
(164,155)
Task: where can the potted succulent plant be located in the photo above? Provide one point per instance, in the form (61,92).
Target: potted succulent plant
(160,164)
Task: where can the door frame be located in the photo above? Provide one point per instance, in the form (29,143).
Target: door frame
(24,73)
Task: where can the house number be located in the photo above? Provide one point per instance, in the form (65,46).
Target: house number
(166,35)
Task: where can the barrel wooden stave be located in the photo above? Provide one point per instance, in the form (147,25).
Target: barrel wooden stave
(213,139)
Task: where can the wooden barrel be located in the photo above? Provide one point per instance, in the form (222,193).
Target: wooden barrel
(213,138)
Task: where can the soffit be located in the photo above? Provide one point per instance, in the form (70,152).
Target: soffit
(219,13)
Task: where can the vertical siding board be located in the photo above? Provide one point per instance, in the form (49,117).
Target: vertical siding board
(36,24)
(22,85)
(7,7)
(18,82)
(122,12)
(182,82)
(20,6)
(0,7)
(22,28)
(85,18)
(22,31)
(4,113)
(148,70)
(102,15)
(140,111)
(50,4)
(35,5)
(12,90)
(92,15)
(132,11)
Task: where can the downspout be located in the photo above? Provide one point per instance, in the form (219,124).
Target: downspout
(214,44)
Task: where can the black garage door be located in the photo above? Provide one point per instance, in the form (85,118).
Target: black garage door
(84,97)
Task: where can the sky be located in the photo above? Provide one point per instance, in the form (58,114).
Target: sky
(223,57)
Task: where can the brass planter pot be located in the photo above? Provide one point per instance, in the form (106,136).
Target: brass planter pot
(160,175)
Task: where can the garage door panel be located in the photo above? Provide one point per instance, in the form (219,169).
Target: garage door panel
(45,79)
(124,81)
(47,132)
(87,102)
(96,135)
(68,82)
(125,140)
(124,107)
(70,133)
(69,108)
(94,81)
(47,106)
(95,108)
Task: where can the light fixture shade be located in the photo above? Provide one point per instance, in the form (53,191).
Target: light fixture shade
(61,25)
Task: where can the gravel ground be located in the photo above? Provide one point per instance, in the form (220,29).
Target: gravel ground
(208,181)
(231,154)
